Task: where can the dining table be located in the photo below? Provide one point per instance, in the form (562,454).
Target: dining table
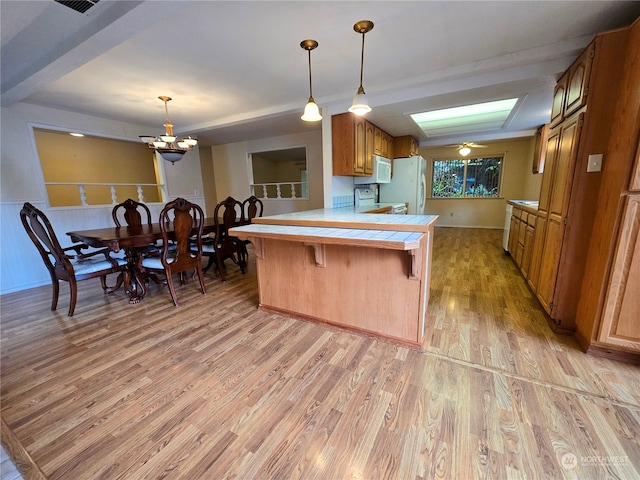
(132,239)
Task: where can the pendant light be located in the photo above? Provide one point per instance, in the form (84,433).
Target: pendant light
(360,106)
(311,110)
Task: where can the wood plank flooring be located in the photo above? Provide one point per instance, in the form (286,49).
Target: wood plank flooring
(216,389)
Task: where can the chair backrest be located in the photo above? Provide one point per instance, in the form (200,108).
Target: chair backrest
(132,213)
(252,207)
(227,214)
(41,232)
(188,222)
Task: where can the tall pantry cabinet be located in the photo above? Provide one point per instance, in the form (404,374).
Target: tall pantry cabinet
(583,112)
(608,314)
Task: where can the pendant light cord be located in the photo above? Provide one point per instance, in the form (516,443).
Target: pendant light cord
(361,64)
(310,89)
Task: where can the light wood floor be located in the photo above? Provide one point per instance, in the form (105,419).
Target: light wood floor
(216,389)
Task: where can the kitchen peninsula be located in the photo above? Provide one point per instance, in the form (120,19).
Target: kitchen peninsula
(367,273)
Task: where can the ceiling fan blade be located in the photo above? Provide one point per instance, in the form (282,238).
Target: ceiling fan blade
(476,145)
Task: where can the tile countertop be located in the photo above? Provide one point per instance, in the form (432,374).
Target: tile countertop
(351,217)
(387,239)
(529,205)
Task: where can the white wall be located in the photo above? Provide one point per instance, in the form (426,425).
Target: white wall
(232,170)
(21,181)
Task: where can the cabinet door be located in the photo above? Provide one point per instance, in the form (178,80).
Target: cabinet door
(528,250)
(405,146)
(560,191)
(514,226)
(578,82)
(415,147)
(563,169)
(621,314)
(377,142)
(369,147)
(547,177)
(557,107)
(536,254)
(360,146)
(540,150)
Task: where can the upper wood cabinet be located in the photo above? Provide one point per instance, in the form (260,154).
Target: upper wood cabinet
(557,106)
(406,146)
(377,144)
(369,139)
(349,145)
(540,149)
(578,82)
(383,144)
(570,93)
(355,142)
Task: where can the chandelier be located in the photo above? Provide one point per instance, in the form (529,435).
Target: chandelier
(166,145)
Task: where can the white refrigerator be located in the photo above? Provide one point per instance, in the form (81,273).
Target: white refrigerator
(408,184)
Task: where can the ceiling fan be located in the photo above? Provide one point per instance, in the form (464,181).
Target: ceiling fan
(464,148)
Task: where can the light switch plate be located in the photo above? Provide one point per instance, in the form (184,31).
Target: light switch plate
(595,163)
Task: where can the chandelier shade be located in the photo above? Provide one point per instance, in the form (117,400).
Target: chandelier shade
(166,145)
(360,105)
(311,110)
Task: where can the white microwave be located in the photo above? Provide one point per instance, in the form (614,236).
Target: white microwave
(381,172)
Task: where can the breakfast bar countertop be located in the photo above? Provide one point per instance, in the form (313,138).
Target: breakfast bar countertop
(352,217)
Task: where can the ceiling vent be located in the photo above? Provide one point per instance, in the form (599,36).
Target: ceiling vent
(78,5)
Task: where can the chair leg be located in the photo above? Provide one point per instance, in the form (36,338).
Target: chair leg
(220,262)
(200,274)
(172,290)
(56,292)
(74,296)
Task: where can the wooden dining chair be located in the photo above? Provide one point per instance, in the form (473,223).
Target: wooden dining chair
(131,213)
(252,207)
(182,222)
(228,214)
(67,266)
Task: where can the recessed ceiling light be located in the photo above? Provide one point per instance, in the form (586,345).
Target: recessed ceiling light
(467,118)
(74,134)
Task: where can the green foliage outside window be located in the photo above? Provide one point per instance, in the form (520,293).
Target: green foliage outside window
(467,178)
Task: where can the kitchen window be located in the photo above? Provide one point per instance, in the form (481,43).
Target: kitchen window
(476,177)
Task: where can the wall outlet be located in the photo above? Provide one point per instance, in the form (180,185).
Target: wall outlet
(595,163)
(196,192)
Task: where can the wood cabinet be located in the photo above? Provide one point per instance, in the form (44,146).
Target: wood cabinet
(608,313)
(561,173)
(621,315)
(377,146)
(557,105)
(536,251)
(584,110)
(522,238)
(578,77)
(406,146)
(353,141)
(540,149)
